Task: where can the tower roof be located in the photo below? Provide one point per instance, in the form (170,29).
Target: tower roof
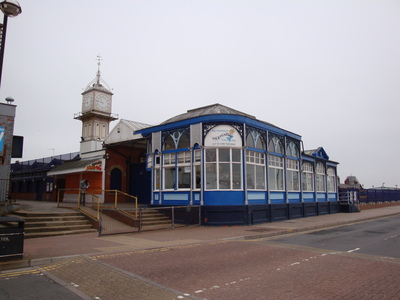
(98,83)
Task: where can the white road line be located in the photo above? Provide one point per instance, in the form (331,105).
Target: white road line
(353,250)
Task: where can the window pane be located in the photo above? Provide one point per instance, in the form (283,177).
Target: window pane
(236,155)
(320,182)
(211,155)
(211,176)
(224,176)
(224,154)
(251,177)
(184,142)
(197,155)
(169,178)
(237,176)
(184,177)
(250,141)
(272,179)
(169,143)
(156,179)
(197,171)
(260,177)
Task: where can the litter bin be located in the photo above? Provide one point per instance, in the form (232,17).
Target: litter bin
(11,238)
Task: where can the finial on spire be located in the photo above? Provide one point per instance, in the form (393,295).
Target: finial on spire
(98,68)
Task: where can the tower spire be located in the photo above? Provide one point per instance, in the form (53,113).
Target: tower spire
(99,59)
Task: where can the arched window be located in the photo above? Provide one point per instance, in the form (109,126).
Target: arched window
(169,143)
(116,179)
(275,145)
(292,149)
(255,140)
(176,140)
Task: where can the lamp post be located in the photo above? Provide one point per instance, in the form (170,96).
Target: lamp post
(10,8)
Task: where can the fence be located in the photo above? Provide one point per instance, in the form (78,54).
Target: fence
(117,221)
(4,189)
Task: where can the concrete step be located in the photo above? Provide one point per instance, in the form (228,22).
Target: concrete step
(52,228)
(31,235)
(45,214)
(53,219)
(42,224)
(45,223)
(155,222)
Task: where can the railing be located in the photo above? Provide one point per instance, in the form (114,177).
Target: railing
(118,221)
(4,189)
(70,198)
(73,201)
(117,198)
(349,197)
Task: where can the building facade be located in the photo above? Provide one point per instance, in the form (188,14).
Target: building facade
(240,170)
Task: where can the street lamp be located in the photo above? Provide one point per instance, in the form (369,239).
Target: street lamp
(10,8)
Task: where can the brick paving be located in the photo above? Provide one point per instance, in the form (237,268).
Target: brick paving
(112,267)
(99,281)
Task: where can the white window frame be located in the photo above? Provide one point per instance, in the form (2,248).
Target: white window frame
(320,178)
(221,163)
(276,167)
(332,186)
(308,177)
(292,175)
(255,161)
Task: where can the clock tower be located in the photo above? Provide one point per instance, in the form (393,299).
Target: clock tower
(96,114)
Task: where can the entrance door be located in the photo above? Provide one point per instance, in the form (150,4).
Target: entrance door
(140,183)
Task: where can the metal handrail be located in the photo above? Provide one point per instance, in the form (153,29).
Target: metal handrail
(97,203)
(118,192)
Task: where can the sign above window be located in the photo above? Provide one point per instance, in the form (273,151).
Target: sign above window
(223,136)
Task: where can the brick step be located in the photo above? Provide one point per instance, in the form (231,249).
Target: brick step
(31,235)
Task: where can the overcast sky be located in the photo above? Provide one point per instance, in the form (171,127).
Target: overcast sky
(326,70)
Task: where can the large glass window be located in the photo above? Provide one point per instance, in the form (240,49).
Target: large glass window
(292,175)
(223,168)
(255,169)
(275,173)
(169,171)
(320,178)
(308,177)
(331,180)
(184,172)
(177,172)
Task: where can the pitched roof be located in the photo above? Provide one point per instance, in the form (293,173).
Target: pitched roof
(213,109)
(123,131)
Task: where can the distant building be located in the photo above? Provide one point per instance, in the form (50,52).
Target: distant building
(351,182)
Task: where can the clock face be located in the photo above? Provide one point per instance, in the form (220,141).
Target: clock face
(87,102)
(103,102)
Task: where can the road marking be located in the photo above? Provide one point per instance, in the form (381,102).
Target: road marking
(392,237)
(356,249)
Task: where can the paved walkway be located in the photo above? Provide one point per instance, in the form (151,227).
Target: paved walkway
(46,250)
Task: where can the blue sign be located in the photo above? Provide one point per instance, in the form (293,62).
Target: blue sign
(1,139)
